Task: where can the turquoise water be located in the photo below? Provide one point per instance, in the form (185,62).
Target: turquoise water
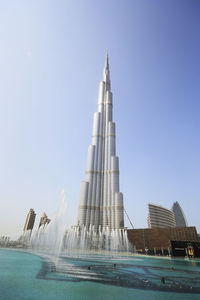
(31,277)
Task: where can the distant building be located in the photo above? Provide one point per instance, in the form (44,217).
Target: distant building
(4,241)
(179,215)
(44,220)
(30,220)
(160,217)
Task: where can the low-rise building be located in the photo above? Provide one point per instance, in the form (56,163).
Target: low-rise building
(159,240)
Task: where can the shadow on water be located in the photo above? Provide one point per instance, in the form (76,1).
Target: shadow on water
(129,272)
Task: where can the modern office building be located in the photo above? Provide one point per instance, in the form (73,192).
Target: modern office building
(160,217)
(30,220)
(179,215)
(44,220)
(101,203)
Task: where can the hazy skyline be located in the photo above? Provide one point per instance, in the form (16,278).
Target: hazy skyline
(52,56)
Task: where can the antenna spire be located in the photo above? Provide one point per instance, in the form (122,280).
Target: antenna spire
(106,60)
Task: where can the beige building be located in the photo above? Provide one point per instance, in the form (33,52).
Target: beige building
(160,217)
(30,220)
(44,220)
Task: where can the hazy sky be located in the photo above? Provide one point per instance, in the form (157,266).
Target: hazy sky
(51,61)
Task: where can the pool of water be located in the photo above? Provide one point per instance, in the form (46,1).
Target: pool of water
(40,276)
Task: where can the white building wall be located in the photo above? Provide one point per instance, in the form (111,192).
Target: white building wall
(101,203)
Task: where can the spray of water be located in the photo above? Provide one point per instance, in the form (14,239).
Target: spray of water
(50,236)
(56,238)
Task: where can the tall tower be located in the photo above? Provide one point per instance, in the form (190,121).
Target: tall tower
(30,220)
(101,202)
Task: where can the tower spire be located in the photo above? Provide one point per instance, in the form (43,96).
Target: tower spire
(106,66)
(106,72)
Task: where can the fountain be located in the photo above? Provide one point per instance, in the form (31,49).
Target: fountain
(56,237)
(77,254)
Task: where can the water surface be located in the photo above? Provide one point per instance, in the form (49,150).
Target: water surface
(26,276)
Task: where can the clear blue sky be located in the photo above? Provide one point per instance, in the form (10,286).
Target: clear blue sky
(51,60)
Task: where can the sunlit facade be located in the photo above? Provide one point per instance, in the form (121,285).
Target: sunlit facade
(101,202)
(30,220)
(160,217)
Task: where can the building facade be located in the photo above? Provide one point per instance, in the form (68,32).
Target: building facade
(160,238)
(160,217)
(179,215)
(44,220)
(30,220)
(101,202)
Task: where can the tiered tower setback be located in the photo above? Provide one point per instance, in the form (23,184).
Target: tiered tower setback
(101,202)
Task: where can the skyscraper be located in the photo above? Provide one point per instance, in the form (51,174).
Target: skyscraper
(179,215)
(101,202)
(44,220)
(30,220)
(160,217)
